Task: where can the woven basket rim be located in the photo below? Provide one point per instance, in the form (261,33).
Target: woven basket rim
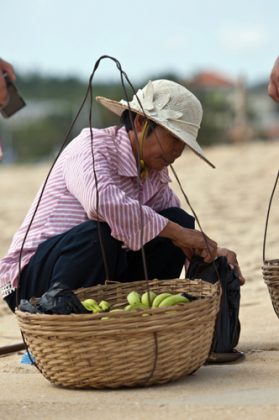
(215,288)
(124,314)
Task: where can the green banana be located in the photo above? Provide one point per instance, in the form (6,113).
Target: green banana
(147,298)
(91,305)
(112,310)
(96,309)
(133,297)
(173,300)
(158,299)
(135,306)
(104,305)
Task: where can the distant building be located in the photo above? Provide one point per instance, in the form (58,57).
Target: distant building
(265,112)
(211,79)
(253,113)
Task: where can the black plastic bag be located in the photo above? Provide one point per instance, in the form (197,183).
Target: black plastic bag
(58,299)
(227,330)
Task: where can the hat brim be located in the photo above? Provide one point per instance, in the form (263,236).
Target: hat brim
(118,108)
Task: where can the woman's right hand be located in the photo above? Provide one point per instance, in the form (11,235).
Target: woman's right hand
(191,241)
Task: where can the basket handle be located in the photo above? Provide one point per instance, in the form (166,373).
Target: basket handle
(267,216)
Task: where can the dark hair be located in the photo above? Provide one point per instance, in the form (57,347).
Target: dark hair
(126,121)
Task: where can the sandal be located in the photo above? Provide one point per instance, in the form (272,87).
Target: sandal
(223,358)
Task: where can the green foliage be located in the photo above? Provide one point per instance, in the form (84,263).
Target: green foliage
(217,115)
(40,139)
(35,86)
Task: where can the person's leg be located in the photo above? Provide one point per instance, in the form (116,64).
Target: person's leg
(164,259)
(73,258)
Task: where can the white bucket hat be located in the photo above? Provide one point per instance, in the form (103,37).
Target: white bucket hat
(168,104)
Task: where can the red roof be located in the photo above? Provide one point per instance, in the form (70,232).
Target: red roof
(212,79)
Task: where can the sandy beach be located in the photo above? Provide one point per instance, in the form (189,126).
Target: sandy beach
(231,202)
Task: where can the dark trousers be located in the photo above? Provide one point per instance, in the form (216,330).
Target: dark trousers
(75,259)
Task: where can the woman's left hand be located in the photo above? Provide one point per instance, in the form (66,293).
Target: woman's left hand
(232,261)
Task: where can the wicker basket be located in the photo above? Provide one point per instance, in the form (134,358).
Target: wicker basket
(270,268)
(127,348)
(271,277)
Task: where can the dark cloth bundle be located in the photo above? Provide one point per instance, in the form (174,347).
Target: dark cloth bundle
(58,299)
(227,330)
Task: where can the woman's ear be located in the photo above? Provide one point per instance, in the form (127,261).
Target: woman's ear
(139,122)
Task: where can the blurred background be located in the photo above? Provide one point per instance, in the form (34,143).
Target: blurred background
(222,51)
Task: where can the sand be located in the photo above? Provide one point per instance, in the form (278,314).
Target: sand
(231,203)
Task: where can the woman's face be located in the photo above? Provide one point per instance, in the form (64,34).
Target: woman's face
(161,148)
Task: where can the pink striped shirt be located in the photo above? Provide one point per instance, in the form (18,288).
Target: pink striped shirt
(70,198)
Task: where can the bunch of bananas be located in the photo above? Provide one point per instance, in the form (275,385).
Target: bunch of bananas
(136,301)
(93,306)
(151,300)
